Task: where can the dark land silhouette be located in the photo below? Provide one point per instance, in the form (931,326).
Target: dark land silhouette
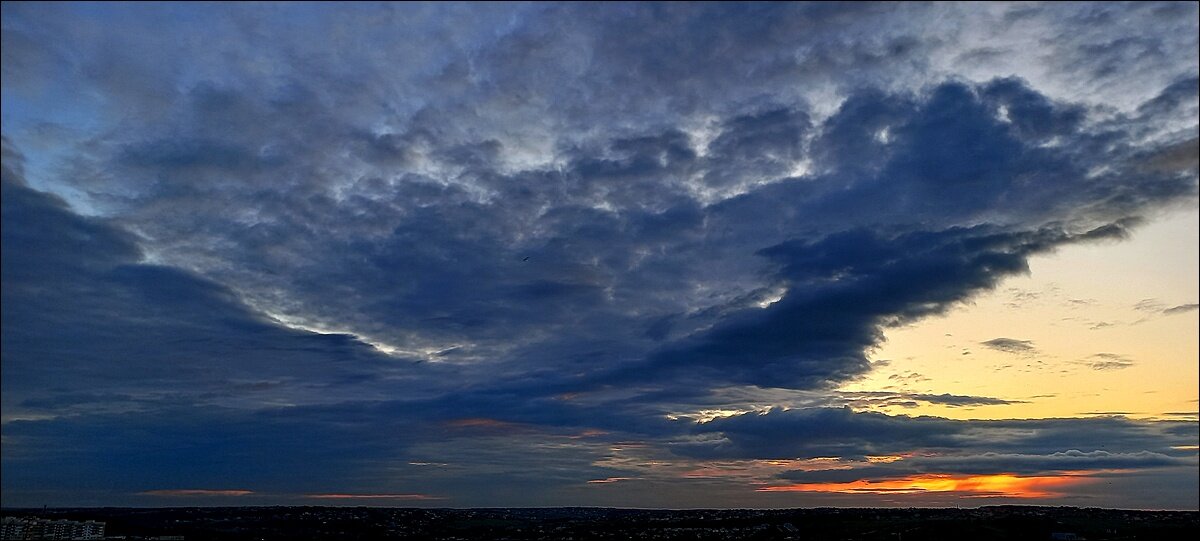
(577,523)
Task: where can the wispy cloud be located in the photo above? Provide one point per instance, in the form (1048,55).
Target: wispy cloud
(885,398)
(607,480)
(1011,345)
(1180,309)
(1109,361)
(408,497)
(186,492)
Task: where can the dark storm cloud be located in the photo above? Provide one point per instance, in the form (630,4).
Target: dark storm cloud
(842,290)
(817,432)
(842,432)
(423,263)
(608,236)
(1033,115)
(1172,98)
(83,312)
(447,221)
(1183,156)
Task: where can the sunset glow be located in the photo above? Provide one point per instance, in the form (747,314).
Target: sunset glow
(998,485)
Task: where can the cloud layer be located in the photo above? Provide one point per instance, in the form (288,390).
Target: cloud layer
(508,240)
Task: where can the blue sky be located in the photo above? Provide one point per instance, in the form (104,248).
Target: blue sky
(569,254)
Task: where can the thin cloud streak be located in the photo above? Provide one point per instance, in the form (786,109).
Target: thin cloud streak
(412,497)
(186,492)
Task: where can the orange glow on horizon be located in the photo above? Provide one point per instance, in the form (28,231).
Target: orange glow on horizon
(996,485)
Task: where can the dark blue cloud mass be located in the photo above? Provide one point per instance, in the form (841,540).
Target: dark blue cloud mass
(486,254)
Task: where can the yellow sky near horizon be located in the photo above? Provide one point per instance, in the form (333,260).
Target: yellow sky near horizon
(1084,306)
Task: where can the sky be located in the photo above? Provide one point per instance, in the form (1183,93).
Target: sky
(635,255)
